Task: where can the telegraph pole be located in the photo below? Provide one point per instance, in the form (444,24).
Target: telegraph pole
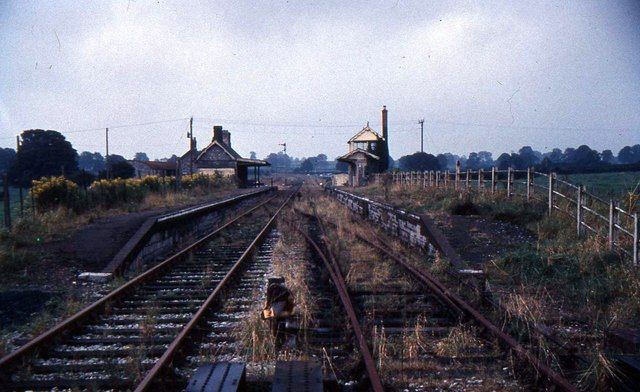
(421,122)
(21,179)
(107,159)
(190,136)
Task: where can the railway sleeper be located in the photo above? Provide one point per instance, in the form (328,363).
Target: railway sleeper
(71,383)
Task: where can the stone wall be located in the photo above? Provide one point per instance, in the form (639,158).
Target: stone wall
(404,225)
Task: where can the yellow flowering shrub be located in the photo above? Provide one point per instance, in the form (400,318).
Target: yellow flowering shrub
(50,192)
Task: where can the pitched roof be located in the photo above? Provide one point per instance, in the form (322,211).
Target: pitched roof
(230,151)
(366,135)
(347,157)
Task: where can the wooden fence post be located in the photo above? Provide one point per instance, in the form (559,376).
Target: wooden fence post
(480,179)
(529,183)
(579,198)
(552,178)
(456,185)
(612,223)
(7,201)
(509,182)
(468,179)
(437,178)
(493,180)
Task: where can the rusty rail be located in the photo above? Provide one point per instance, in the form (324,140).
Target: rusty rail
(169,354)
(337,278)
(73,321)
(450,297)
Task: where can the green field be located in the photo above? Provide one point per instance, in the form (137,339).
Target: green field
(607,186)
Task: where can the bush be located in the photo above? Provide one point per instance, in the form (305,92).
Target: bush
(53,192)
(50,193)
(109,193)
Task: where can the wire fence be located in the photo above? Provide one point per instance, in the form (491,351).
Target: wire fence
(608,219)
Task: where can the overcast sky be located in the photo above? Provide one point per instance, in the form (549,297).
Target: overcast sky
(484,75)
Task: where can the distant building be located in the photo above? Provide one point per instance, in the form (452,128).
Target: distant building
(368,153)
(219,157)
(153,168)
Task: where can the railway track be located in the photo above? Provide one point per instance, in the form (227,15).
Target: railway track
(126,339)
(412,324)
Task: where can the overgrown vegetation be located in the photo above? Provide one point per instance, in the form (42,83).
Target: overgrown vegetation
(574,287)
(53,192)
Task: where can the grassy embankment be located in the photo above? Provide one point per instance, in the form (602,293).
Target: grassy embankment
(575,285)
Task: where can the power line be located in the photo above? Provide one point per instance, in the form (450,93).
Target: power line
(352,125)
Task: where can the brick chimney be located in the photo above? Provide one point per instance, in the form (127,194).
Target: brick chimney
(384,123)
(217,133)
(226,137)
(384,154)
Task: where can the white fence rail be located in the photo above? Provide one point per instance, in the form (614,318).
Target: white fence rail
(592,214)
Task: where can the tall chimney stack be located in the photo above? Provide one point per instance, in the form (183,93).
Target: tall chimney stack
(384,122)
(384,164)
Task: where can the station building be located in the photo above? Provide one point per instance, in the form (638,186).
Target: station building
(219,157)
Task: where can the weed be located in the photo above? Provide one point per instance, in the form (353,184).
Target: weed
(460,341)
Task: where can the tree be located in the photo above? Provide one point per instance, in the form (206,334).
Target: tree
(419,161)
(307,166)
(473,162)
(528,157)
(93,162)
(586,157)
(629,154)
(280,162)
(43,154)
(122,169)
(569,155)
(448,161)
(555,156)
(253,155)
(486,159)
(141,156)
(504,161)
(83,178)
(607,156)
(7,159)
